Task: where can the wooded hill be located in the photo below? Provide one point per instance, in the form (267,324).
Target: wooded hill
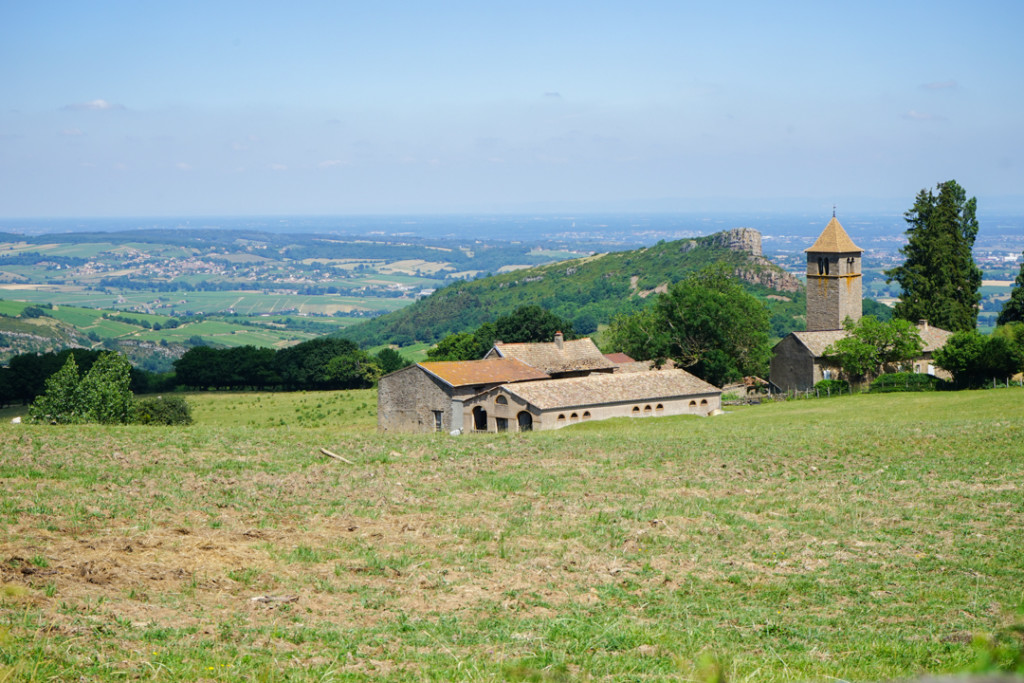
(593,290)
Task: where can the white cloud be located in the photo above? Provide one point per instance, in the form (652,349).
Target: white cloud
(93,105)
(182,166)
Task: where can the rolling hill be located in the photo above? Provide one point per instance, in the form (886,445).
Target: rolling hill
(591,291)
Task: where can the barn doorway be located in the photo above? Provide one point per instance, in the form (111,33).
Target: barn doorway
(525,422)
(479,419)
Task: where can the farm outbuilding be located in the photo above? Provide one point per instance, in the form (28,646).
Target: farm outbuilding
(522,387)
(556,403)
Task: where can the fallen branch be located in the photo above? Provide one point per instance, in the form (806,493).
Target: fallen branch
(336,456)
(274,598)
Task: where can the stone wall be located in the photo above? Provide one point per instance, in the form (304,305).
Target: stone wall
(792,366)
(556,418)
(407,399)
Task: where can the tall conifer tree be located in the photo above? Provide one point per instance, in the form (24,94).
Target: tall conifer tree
(940,279)
(1013,309)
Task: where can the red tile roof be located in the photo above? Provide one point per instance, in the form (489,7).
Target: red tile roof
(489,371)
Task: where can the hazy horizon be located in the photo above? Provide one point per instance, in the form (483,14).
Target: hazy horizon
(324,108)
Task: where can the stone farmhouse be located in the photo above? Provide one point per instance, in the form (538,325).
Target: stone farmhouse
(834,293)
(523,387)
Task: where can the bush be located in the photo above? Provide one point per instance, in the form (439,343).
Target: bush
(907,381)
(162,410)
(832,387)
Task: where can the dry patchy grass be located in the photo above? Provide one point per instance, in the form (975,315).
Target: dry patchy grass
(860,538)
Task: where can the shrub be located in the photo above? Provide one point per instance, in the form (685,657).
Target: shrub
(907,381)
(163,410)
(102,395)
(832,387)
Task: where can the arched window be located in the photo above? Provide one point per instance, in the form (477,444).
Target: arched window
(586,415)
(574,417)
(659,408)
(703,401)
(693,404)
(501,401)
(647,410)
(826,265)
(821,266)
(561,418)
(636,411)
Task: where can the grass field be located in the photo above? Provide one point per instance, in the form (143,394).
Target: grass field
(860,538)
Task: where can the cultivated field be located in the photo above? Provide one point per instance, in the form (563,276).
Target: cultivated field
(860,538)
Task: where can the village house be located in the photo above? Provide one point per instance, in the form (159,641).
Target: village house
(523,387)
(834,293)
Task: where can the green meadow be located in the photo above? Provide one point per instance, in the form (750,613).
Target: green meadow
(870,537)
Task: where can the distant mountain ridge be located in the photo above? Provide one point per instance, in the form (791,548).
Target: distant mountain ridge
(592,290)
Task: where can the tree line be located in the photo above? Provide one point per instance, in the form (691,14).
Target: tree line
(318,364)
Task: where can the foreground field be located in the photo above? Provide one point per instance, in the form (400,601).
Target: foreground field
(867,538)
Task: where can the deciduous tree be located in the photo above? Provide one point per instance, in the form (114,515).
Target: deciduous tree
(706,323)
(531,324)
(975,359)
(871,345)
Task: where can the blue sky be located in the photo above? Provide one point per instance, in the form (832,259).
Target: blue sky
(223,107)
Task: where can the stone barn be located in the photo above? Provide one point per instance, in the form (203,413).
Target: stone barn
(428,397)
(556,403)
(520,387)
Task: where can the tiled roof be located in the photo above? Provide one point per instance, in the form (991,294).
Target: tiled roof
(619,358)
(833,239)
(645,366)
(933,337)
(600,388)
(816,342)
(489,371)
(576,354)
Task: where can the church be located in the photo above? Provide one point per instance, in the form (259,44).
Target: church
(834,293)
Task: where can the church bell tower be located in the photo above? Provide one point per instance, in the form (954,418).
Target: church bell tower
(834,284)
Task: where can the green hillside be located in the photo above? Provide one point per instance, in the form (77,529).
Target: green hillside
(591,291)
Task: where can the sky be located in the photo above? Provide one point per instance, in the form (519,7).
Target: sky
(331,108)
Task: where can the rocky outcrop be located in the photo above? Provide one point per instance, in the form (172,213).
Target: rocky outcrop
(760,270)
(739,239)
(771,277)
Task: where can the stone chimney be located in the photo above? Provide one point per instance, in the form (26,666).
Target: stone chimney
(558,340)
(923,324)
